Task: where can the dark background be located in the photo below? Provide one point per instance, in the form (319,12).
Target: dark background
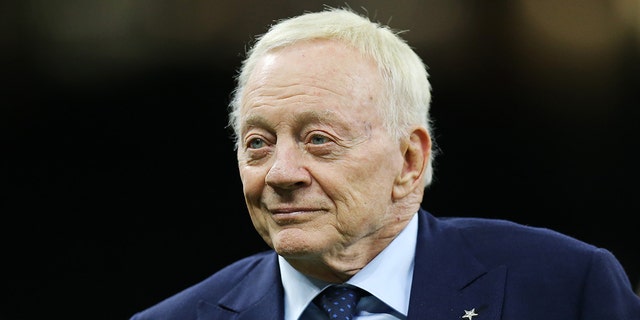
(119,177)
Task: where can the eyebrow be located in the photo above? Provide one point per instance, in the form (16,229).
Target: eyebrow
(320,116)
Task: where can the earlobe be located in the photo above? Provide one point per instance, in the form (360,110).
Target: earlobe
(416,151)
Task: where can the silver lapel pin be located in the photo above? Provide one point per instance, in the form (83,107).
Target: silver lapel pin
(469,314)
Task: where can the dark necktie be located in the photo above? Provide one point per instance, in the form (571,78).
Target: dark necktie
(339,302)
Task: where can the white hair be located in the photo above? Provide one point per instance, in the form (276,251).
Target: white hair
(407,91)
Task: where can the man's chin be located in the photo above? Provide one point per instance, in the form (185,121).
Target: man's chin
(295,243)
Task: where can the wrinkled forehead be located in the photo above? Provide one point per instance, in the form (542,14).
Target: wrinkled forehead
(315,58)
(316,65)
(321,75)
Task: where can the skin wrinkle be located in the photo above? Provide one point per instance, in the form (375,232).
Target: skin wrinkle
(325,118)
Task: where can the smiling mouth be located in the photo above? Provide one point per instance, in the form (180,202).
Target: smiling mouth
(292,210)
(293,215)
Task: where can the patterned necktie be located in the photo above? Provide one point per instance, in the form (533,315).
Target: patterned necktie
(339,302)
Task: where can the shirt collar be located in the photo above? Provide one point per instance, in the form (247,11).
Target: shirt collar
(388,276)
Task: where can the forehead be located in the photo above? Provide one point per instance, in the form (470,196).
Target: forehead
(321,63)
(313,74)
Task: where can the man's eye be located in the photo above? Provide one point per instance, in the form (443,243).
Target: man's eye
(318,139)
(256,143)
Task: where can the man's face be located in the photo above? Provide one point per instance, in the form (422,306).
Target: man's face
(316,163)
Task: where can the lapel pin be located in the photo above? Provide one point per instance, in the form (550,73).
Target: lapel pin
(469,314)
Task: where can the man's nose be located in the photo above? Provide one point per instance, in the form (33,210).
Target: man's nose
(288,169)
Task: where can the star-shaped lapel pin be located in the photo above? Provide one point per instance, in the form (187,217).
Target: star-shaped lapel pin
(469,314)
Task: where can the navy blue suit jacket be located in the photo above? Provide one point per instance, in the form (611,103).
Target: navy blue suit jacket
(502,269)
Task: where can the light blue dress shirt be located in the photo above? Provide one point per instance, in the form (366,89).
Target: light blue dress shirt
(387,277)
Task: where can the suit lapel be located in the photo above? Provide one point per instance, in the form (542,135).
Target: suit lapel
(258,296)
(448,280)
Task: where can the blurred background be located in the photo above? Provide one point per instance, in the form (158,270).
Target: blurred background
(119,176)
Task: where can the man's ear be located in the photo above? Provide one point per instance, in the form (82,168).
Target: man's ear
(416,153)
